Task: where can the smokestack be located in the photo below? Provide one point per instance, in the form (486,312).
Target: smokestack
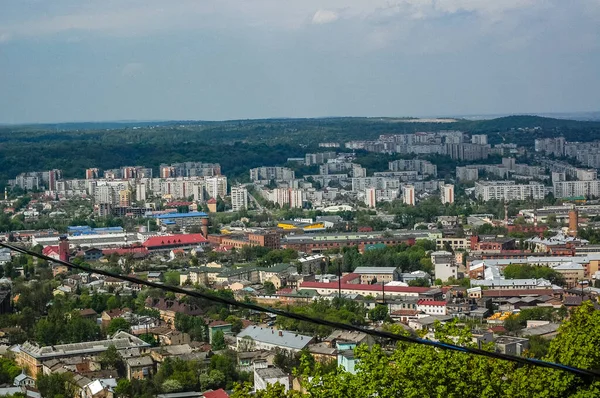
(535,217)
(573,221)
(505,214)
(204,227)
(64,251)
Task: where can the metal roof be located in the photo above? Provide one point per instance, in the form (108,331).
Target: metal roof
(281,338)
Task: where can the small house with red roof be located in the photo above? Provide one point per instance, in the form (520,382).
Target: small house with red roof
(212,205)
(216,326)
(51,251)
(220,393)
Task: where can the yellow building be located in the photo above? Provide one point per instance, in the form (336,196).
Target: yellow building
(307,226)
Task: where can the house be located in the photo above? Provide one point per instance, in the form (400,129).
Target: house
(169,308)
(323,352)
(99,388)
(24,380)
(109,315)
(88,313)
(345,336)
(265,376)
(511,345)
(255,338)
(247,361)
(347,361)
(426,323)
(378,274)
(168,336)
(215,326)
(92,254)
(431,307)
(546,331)
(139,367)
(155,276)
(59,269)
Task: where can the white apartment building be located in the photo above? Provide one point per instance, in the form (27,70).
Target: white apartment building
(408,195)
(569,189)
(287,196)
(481,139)
(445,265)
(239,198)
(216,186)
(508,190)
(371,197)
(467,173)
(272,173)
(447,193)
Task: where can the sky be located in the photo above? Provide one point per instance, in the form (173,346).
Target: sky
(107,60)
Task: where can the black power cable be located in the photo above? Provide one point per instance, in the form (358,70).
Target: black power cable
(376,333)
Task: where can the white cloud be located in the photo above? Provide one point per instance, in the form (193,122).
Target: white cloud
(324,16)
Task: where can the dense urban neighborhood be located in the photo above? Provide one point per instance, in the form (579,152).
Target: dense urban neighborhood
(444,235)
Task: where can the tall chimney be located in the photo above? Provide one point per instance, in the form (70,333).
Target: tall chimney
(204,227)
(573,221)
(63,248)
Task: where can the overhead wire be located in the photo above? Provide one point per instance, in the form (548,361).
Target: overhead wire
(584,373)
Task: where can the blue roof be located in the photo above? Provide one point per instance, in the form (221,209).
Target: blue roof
(168,222)
(181,215)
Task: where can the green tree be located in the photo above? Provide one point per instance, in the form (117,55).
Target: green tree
(379,313)
(117,324)
(111,359)
(269,288)
(218,340)
(56,385)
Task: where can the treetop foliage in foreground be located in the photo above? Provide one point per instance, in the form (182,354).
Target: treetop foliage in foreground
(413,370)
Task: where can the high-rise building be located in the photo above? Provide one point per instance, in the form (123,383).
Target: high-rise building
(216,186)
(408,194)
(447,193)
(141,192)
(371,197)
(288,196)
(481,139)
(92,174)
(508,190)
(125,198)
(239,198)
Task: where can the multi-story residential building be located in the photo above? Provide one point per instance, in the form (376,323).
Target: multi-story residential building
(508,190)
(239,198)
(190,169)
(216,186)
(479,139)
(554,146)
(272,173)
(371,197)
(570,189)
(447,193)
(421,166)
(408,195)
(467,173)
(467,151)
(92,174)
(318,158)
(287,196)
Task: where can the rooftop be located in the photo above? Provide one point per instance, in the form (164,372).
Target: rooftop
(181,215)
(281,338)
(121,340)
(375,270)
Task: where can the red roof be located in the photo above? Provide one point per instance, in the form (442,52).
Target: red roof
(211,201)
(218,323)
(48,250)
(357,286)
(220,393)
(350,277)
(432,303)
(174,240)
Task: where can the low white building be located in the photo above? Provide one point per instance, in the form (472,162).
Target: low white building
(431,307)
(265,376)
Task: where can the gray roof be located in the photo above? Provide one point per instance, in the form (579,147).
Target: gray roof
(140,361)
(375,270)
(540,330)
(281,338)
(121,340)
(270,373)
